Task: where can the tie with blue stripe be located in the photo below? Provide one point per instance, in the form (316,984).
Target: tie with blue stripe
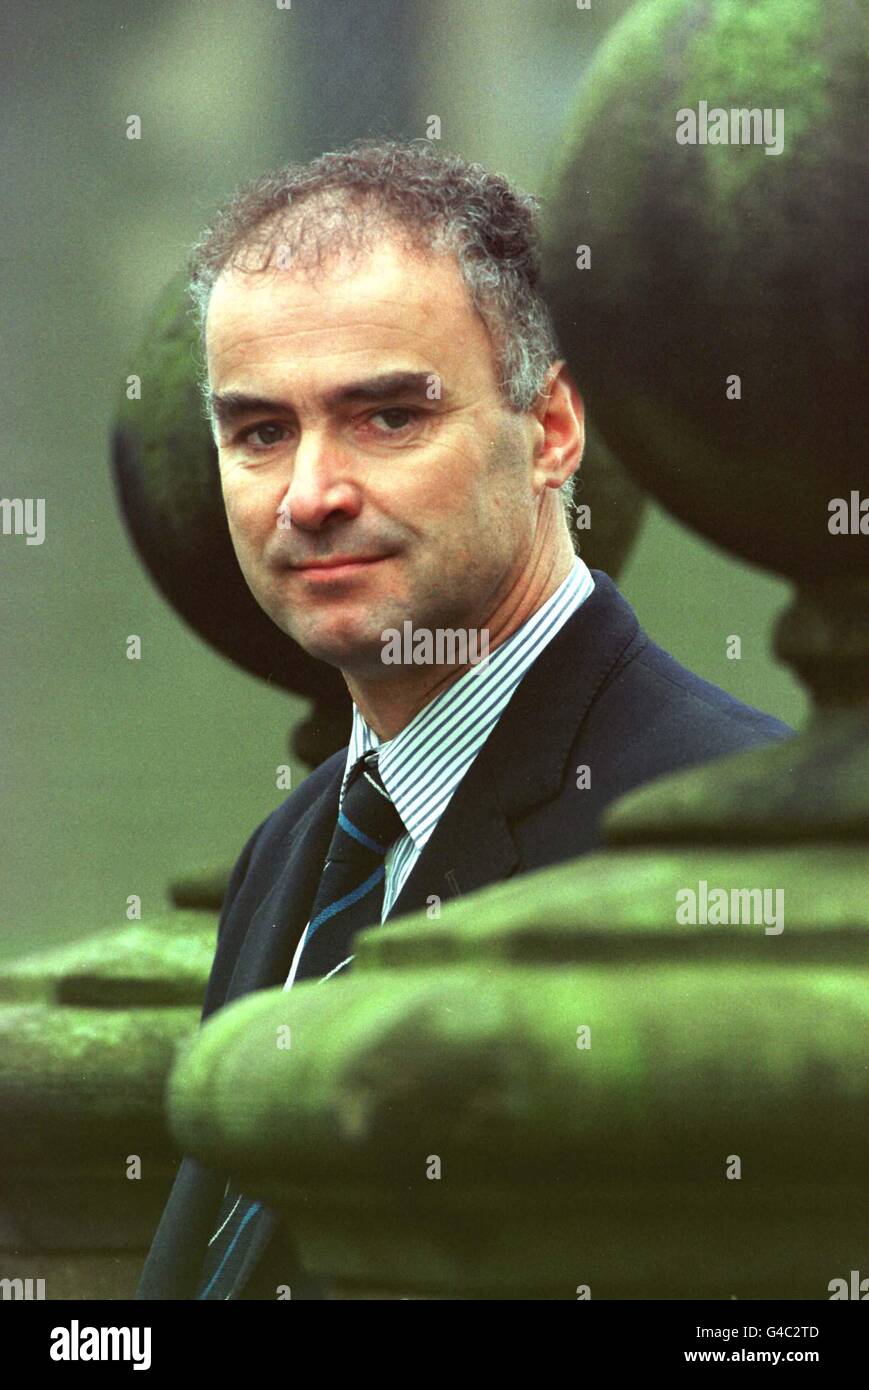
(349,897)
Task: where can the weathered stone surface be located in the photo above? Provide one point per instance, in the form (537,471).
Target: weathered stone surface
(202,890)
(710,260)
(88,1034)
(85,1081)
(163,960)
(621,907)
(459,1038)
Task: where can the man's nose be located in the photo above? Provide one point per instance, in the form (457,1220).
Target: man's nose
(322,482)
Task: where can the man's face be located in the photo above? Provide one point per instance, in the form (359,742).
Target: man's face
(430,482)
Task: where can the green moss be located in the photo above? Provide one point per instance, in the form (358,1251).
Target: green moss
(770,53)
(168,424)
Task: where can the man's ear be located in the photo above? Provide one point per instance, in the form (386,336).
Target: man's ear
(561,413)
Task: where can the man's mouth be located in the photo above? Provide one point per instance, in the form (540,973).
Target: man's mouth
(338,566)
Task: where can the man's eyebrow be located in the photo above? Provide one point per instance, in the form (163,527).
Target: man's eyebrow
(231,405)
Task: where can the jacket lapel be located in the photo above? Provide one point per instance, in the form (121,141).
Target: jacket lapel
(275,928)
(472,845)
(523,761)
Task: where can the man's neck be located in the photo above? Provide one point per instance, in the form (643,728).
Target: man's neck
(388,706)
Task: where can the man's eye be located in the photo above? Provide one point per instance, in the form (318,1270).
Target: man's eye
(269,434)
(405,416)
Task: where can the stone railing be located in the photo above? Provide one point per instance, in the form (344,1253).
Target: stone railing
(88,1034)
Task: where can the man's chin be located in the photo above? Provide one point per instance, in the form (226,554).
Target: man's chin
(362,652)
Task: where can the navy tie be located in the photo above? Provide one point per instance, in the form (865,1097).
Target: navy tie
(349,897)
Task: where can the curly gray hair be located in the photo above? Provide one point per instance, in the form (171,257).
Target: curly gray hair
(434,203)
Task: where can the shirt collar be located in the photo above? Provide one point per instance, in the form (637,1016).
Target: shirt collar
(473,704)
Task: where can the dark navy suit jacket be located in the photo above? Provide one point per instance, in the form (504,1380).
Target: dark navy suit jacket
(600,694)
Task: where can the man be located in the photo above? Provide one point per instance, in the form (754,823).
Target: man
(397,437)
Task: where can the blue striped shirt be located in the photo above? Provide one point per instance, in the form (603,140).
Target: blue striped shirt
(423,765)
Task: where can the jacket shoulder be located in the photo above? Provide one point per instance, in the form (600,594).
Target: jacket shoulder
(256,867)
(707,704)
(662,716)
(284,817)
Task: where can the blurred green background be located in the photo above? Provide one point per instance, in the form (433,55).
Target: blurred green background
(119,776)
